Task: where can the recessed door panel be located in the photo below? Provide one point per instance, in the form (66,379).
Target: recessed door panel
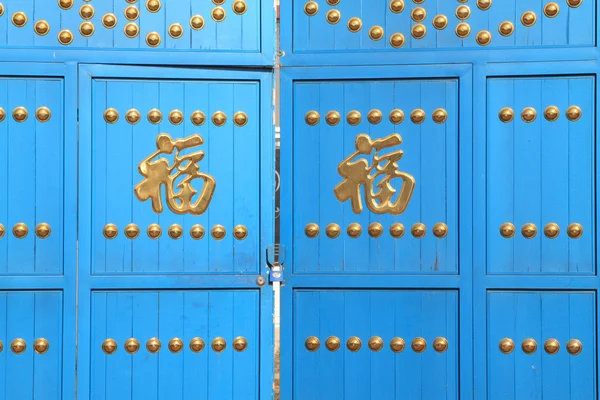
(540,175)
(375,186)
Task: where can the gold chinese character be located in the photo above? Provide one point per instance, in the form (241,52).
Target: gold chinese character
(159,172)
(375,178)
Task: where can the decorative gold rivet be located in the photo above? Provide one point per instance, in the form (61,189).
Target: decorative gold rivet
(332,343)
(551,10)
(43,114)
(312,118)
(551,346)
(153,39)
(2,114)
(196,345)
(41,346)
(218,232)
(20,230)
(440,230)
(354,230)
(333,16)
(239,7)
(574,347)
(312,343)
(484,4)
(86,29)
(418,345)
(133,116)
(18,346)
(197,22)
(19,19)
(132,346)
(176,117)
(528,18)
(354,344)
(397,345)
(376,32)
(439,116)
(418,14)
(109,20)
(41,28)
(440,21)
(154,231)
(574,3)
(529,346)
(506,114)
(417,116)
(153,5)
(506,346)
(507,230)
(218,1)
(240,344)
(311,230)
(175,30)
(65,4)
(397,230)
(175,231)
(418,31)
(154,116)
(240,232)
(132,13)
(218,14)
(397,6)
(87,11)
(528,114)
(111,115)
(396,116)
(219,118)
(375,229)
(175,345)
(463,12)
(131,30)
(333,2)
(198,118)
(332,118)
(332,231)
(551,113)
(397,40)
(440,344)
(311,8)
(418,1)
(354,24)
(462,30)
(573,113)
(575,231)
(110,231)
(375,343)
(197,232)
(551,230)
(218,345)
(483,38)
(1,14)
(240,118)
(2,231)
(418,230)
(529,230)
(153,345)
(374,116)
(20,114)
(506,28)
(109,346)
(43,230)
(353,117)
(132,231)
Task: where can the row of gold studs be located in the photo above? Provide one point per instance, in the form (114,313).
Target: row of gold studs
(153,345)
(354,230)
(529,114)
(20,114)
(18,346)
(155,116)
(375,343)
(175,231)
(551,230)
(396,116)
(20,230)
(551,346)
